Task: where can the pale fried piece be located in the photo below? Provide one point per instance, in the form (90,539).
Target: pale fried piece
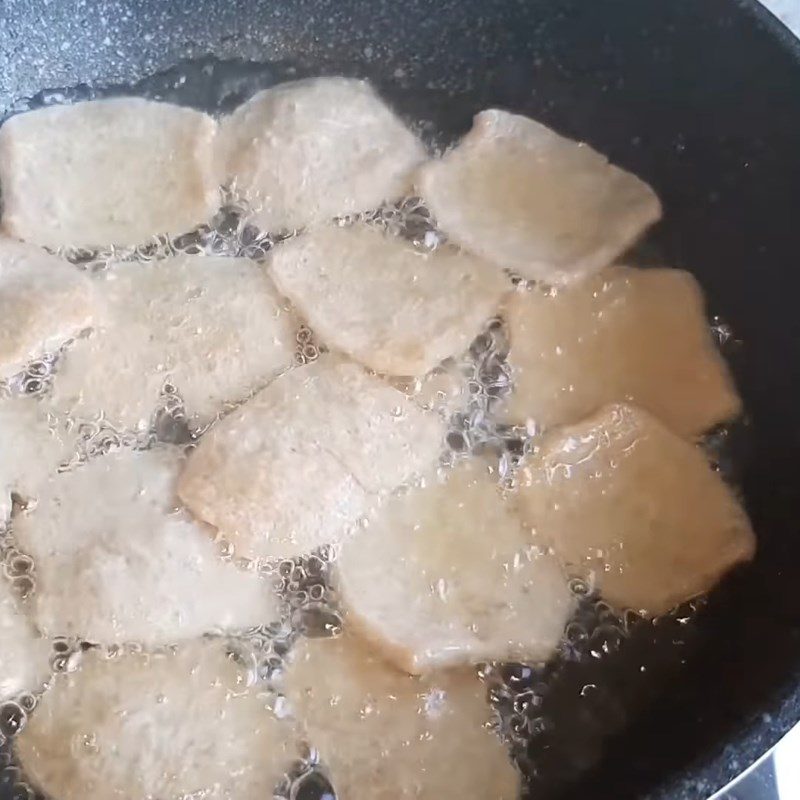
(388,736)
(370,427)
(284,498)
(24,655)
(445,575)
(627,335)
(383,302)
(634,509)
(213,327)
(44,301)
(516,193)
(116,562)
(307,151)
(106,172)
(303,461)
(167,725)
(32,446)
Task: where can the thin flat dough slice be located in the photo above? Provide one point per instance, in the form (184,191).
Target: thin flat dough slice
(307,151)
(117,562)
(106,172)
(169,726)
(383,439)
(376,298)
(626,335)
(634,509)
(44,301)
(24,654)
(445,575)
(213,327)
(303,461)
(32,447)
(283,498)
(516,193)
(387,736)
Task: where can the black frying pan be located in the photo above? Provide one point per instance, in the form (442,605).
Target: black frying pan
(699,97)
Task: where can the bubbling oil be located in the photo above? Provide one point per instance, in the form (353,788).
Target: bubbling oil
(554,716)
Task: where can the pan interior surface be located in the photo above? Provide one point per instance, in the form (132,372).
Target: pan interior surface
(701,101)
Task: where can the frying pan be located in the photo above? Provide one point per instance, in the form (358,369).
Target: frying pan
(702,99)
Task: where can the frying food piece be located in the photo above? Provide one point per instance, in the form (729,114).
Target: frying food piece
(388,736)
(116,562)
(299,464)
(391,307)
(638,336)
(634,509)
(369,427)
(31,449)
(446,575)
(106,172)
(283,499)
(213,327)
(167,725)
(44,301)
(23,655)
(307,151)
(516,193)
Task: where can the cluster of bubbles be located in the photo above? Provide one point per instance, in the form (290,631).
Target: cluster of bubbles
(14,714)
(19,571)
(409,218)
(305,583)
(98,437)
(34,380)
(306,779)
(66,653)
(475,428)
(18,567)
(13,717)
(169,423)
(307,349)
(228,234)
